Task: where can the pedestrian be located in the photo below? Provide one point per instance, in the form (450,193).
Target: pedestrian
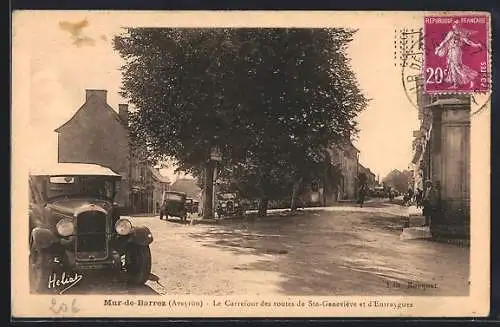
(418,198)
(361,195)
(435,202)
(391,195)
(410,196)
(406,199)
(157,207)
(426,202)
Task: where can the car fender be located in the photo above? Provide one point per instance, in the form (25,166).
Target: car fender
(42,238)
(141,236)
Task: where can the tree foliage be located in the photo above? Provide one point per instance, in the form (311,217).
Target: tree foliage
(273,100)
(398,180)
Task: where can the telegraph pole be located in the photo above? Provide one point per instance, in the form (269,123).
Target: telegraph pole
(209,189)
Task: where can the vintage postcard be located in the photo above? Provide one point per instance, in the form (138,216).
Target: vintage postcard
(251,164)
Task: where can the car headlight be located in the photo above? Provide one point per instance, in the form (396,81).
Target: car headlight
(123,227)
(65,227)
(223,205)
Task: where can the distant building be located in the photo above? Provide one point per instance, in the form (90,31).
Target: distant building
(98,134)
(348,156)
(161,184)
(339,182)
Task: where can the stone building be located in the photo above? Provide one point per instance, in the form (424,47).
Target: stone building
(349,160)
(442,155)
(98,134)
(161,184)
(340,182)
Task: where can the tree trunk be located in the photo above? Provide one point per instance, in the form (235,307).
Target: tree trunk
(208,191)
(263,208)
(295,191)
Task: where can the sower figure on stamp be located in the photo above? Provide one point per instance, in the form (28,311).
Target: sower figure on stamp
(457,72)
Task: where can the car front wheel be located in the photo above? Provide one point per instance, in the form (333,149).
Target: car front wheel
(39,272)
(138,264)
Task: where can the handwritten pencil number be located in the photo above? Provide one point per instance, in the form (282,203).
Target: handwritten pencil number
(62,307)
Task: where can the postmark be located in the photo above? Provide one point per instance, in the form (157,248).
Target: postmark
(408,42)
(421,79)
(456,54)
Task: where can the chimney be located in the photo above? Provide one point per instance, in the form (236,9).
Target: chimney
(98,95)
(123,112)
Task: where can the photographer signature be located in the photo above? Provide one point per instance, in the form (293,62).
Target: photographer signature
(65,280)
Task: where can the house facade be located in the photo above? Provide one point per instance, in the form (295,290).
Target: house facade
(98,134)
(349,158)
(340,182)
(161,184)
(441,154)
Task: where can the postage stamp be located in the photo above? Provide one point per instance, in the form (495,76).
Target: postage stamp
(456,54)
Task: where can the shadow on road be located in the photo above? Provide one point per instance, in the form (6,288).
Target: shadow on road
(342,253)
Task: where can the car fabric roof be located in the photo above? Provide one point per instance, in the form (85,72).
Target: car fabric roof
(61,169)
(176,192)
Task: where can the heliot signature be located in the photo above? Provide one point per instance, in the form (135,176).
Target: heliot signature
(65,280)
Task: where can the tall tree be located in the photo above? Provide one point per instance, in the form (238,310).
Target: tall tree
(273,100)
(309,99)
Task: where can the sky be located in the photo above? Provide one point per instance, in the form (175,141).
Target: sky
(62,65)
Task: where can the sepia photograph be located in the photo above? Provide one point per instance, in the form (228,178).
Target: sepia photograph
(327,164)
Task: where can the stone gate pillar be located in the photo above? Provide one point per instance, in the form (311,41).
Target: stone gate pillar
(450,164)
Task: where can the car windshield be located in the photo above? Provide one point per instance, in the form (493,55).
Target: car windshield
(99,186)
(173,196)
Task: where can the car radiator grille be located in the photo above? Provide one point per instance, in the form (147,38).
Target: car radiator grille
(91,233)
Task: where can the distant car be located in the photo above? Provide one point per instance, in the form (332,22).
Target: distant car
(174,205)
(228,204)
(75,226)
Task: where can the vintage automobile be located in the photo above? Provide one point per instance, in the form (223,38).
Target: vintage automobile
(228,204)
(75,225)
(174,205)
